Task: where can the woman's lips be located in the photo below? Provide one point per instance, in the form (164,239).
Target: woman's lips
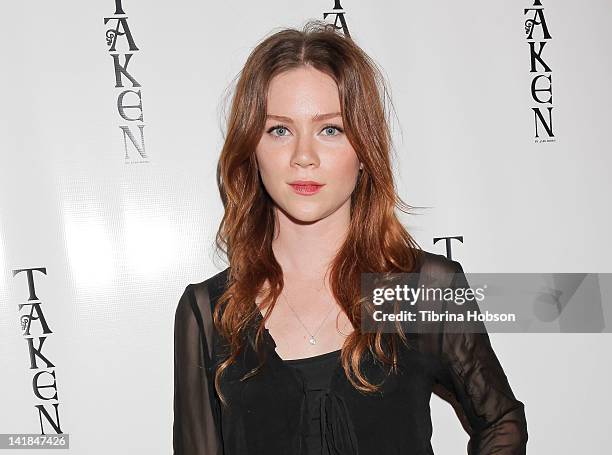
(306,189)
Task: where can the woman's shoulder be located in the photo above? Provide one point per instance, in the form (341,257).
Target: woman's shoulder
(435,264)
(213,286)
(198,301)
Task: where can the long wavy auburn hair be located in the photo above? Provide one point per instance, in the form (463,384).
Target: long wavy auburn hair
(376,241)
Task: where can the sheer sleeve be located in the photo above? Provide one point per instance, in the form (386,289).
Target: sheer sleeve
(195,428)
(473,381)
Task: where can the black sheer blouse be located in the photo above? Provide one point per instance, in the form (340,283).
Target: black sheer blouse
(270,413)
(316,373)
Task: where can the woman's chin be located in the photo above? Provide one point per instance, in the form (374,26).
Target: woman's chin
(304,215)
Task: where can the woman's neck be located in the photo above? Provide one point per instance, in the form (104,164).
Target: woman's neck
(306,250)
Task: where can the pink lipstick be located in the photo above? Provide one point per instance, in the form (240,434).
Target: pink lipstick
(306,187)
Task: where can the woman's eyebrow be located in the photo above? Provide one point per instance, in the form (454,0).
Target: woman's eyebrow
(316,118)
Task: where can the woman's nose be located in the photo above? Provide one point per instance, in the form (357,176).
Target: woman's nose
(305,152)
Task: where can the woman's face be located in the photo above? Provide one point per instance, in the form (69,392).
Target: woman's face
(304,140)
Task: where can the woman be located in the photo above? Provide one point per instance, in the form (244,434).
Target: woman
(269,355)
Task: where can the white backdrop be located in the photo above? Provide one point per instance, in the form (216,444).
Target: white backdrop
(120,238)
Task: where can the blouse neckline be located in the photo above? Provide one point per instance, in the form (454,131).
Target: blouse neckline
(338,370)
(314,358)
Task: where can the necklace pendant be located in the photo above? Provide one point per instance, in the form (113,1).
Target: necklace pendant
(312,340)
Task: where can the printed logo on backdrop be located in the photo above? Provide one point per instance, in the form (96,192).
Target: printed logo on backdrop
(36,330)
(447,244)
(129,101)
(541,82)
(338,14)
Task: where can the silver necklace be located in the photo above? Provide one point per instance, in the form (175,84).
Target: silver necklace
(312,340)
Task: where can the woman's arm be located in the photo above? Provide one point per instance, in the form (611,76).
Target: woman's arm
(195,428)
(473,381)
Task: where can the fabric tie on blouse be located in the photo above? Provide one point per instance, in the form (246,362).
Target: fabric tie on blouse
(337,433)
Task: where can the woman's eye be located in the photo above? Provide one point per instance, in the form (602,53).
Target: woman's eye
(332,128)
(278,128)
